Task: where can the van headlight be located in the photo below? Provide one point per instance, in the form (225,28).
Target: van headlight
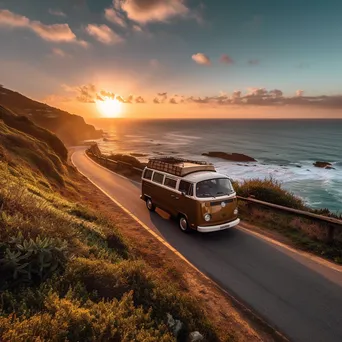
(236,211)
(207,217)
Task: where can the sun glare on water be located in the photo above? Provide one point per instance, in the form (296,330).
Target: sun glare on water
(109,108)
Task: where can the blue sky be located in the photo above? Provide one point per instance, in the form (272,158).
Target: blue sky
(148,47)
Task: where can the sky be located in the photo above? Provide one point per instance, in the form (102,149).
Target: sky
(174,58)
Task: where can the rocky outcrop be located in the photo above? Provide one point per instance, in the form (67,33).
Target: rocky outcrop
(323,165)
(237,157)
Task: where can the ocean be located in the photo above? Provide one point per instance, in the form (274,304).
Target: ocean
(284,149)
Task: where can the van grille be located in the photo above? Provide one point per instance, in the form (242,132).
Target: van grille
(212,204)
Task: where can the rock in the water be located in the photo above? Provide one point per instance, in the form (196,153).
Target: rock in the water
(323,165)
(237,157)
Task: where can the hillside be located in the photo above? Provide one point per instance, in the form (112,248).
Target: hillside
(71,129)
(68,273)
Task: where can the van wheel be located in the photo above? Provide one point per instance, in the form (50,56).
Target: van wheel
(183,224)
(149,204)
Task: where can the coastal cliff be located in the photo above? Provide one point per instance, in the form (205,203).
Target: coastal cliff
(70,128)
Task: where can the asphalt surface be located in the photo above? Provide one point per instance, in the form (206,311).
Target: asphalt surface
(299,296)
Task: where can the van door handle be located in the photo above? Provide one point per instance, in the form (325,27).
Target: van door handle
(175,197)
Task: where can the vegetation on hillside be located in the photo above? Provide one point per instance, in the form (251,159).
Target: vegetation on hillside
(304,233)
(268,190)
(66,272)
(126,158)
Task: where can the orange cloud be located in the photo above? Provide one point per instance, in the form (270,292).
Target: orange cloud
(103,34)
(201,58)
(54,33)
(152,10)
(115,17)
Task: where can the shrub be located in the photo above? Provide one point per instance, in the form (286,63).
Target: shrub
(30,261)
(113,281)
(269,190)
(67,320)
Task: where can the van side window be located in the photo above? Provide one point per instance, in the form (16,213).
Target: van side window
(148,174)
(171,183)
(158,177)
(186,187)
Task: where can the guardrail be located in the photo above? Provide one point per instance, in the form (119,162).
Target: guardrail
(331,222)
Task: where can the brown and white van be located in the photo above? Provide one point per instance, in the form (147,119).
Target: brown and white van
(193,192)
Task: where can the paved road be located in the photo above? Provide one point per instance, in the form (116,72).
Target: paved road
(298,295)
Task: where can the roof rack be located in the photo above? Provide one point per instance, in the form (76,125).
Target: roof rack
(179,166)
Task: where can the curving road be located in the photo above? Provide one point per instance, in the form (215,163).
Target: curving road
(296,294)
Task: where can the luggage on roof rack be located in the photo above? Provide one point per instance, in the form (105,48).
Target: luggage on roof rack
(179,166)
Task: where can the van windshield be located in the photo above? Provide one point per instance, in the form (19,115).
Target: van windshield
(214,188)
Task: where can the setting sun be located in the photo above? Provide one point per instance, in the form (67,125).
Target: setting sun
(109,108)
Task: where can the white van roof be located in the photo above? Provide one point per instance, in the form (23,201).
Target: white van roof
(203,175)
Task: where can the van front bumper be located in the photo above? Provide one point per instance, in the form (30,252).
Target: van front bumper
(223,226)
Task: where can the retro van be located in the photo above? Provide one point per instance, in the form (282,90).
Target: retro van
(192,192)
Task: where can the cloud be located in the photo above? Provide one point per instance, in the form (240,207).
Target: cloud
(59,53)
(139,99)
(145,11)
(256,92)
(122,100)
(136,28)
(162,97)
(236,94)
(156,101)
(86,93)
(53,33)
(129,99)
(272,98)
(173,101)
(225,59)
(115,17)
(201,58)
(57,13)
(107,94)
(89,93)
(103,34)
(276,93)
(253,62)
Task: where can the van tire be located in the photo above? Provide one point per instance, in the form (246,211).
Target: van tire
(149,204)
(183,224)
